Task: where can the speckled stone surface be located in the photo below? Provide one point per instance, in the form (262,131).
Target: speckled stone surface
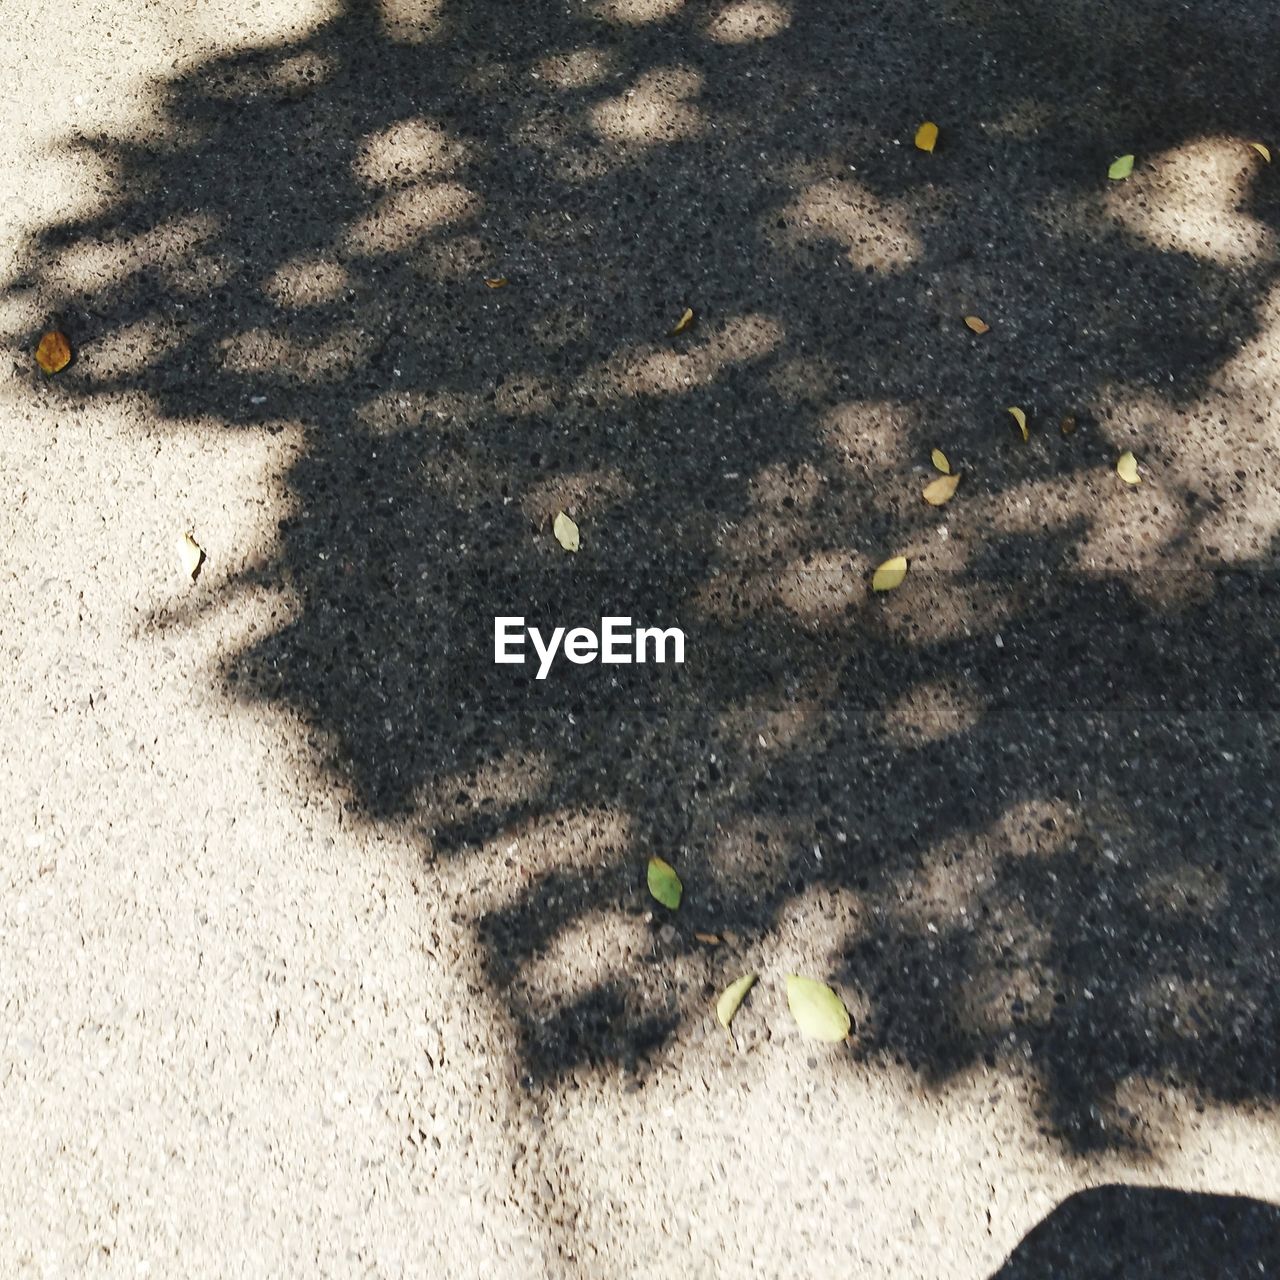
(324,942)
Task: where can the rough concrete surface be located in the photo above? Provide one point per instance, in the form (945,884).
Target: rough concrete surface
(324,942)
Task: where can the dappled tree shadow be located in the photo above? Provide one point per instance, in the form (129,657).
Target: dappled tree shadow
(1036,791)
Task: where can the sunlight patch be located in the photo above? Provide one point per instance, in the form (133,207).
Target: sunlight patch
(954,608)
(584,493)
(874,233)
(1216,500)
(264,351)
(776,721)
(306,282)
(816,586)
(653,110)
(96,264)
(579,69)
(129,350)
(812,934)
(516,781)
(820,588)
(1194,205)
(410,21)
(635,13)
(407,150)
(460,257)
(868,439)
(666,371)
(404,217)
(748,20)
(931,711)
(291,77)
(600,948)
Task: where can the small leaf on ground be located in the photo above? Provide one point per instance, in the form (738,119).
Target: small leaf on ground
(927,136)
(1127,468)
(686,319)
(54,352)
(819,1012)
(1121,167)
(1262,150)
(939,460)
(732,997)
(1021,419)
(711,939)
(566,532)
(941,490)
(496,282)
(1068,424)
(664,884)
(889,575)
(190,556)
(977,324)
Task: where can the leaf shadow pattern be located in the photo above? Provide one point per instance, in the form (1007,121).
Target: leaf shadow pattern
(1037,802)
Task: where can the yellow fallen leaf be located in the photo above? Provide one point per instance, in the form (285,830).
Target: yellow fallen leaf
(1262,150)
(566,532)
(977,324)
(819,1012)
(190,556)
(663,883)
(939,460)
(927,136)
(54,352)
(1127,468)
(889,576)
(495,282)
(1021,419)
(732,997)
(938,491)
(686,319)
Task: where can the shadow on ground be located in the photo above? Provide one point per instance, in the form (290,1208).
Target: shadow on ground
(1035,803)
(1110,1232)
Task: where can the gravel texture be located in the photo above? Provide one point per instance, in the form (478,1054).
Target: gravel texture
(324,942)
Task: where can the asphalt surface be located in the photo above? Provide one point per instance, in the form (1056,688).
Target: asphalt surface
(326,943)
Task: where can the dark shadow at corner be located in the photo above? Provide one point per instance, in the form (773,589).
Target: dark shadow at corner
(1150,1233)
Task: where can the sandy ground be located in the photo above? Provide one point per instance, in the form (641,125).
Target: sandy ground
(247,1030)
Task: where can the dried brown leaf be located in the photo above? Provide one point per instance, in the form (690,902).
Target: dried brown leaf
(54,352)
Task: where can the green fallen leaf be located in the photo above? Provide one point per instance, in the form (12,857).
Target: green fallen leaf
(732,997)
(819,1012)
(664,884)
(1121,167)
